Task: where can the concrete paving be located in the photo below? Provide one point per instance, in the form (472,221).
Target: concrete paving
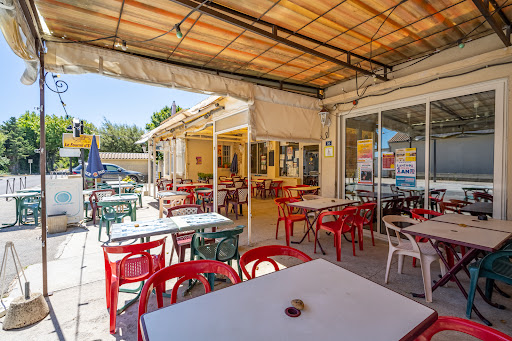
(76,280)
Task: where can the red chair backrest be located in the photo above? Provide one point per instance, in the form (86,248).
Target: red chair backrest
(345,217)
(134,250)
(184,210)
(474,329)
(183,272)
(419,214)
(365,211)
(282,208)
(481,196)
(262,254)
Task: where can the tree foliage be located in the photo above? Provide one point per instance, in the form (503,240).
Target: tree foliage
(159,116)
(15,145)
(120,138)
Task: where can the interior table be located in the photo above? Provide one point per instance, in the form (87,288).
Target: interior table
(336,302)
(317,206)
(474,238)
(166,195)
(478,208)
(144,229)
(18,197)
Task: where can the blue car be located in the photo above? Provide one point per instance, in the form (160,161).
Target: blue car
(112,172)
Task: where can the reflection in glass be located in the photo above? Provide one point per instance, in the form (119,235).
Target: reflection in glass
(462,150)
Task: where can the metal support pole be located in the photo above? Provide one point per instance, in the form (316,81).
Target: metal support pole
(82,157)
(149,169)
(434,157)
(42,168)
(154,169)
(249,184)
(70,165)
(174,164)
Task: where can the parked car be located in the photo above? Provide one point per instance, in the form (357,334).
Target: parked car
(112,172)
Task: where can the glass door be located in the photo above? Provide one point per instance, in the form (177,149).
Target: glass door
(310,165)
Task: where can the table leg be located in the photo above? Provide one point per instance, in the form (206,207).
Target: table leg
(452,272)
(310,228)
(16,221)
(161,208)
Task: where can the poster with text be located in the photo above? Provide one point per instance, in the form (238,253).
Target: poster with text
(388,161)
(365,173)
(405,167)
(364,150)
(64,196)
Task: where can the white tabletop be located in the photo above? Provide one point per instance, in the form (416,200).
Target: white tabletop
(489,224)
(322,203)
(190,185)
(19,195)
(116,182)
(474,237)
(338,305)
(142,229)
(304,189)
(131,197)
(164,194)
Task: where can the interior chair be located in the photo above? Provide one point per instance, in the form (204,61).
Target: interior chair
(425,252)
(275,187)
(411,202)
(446,323)
(365,197)
(264,188)
(449,207)
(138,265)
(95,197)
(364,217)
(224,250)
(422,214)
(393,206)
(263,253)
(239,198)
(494,266)
(182,272)
(181,240)
(343,223)
(436,196)
(482,197)
(222,195)
(285,214)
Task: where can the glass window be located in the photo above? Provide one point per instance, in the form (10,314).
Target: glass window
(111,168)
(259,158)
(289,159)
(462,149)
(226,154)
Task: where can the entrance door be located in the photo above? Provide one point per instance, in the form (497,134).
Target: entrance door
(310,165)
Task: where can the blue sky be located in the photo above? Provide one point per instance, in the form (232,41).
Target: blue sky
(89,97)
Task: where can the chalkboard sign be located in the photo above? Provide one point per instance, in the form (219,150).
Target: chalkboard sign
(271,158)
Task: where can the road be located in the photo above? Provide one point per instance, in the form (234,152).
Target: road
(27,238)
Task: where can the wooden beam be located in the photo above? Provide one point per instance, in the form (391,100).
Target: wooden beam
(230,20)
(483,7)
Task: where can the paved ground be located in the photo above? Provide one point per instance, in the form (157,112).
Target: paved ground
(76,278)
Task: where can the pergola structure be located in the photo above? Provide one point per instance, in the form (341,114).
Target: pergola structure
(269,53)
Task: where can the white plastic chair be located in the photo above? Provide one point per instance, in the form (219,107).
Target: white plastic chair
(422,251)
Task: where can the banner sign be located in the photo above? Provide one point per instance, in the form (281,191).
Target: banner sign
(365,161)
(365,173)
(364,150)
(64,196)
(84,141)
(69,152)
(406,167)
(388,161)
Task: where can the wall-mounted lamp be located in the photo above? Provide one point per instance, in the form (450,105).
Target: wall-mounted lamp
(324,117)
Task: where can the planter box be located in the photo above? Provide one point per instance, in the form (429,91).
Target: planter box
(57,223)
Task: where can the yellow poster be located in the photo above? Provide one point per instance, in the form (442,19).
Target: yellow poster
(406,154)
(364,150)
(84,141)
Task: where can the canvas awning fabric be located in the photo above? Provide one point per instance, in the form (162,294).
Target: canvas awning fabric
(15,30)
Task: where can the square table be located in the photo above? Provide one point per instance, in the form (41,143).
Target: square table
(489,224)
(166,195)
(18,197)
(478,208)
(474,238)
(318,205)
(336,302)
(144,229)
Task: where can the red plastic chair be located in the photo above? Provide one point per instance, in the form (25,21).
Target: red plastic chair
(364,216)
(419,214)
(342,224)
(261,254)
(190,190)
(285,214)
(436,196)
(482,197)
(183,272)
(129,269)
(474,329)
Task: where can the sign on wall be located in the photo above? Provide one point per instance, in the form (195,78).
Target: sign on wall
(405,167)
(64,196)
(84,141)
(365,161)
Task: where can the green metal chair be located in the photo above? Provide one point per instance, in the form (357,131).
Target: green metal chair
(494,266)
(198,200)
(225,250)
(32,204)
(133,215)
(104,186)
(110,212)
(136,190)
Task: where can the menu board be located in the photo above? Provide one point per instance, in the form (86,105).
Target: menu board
(388,161)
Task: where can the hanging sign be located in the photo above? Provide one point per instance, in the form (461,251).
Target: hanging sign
(84,141)
(388,161)
(69,152)
(406,167)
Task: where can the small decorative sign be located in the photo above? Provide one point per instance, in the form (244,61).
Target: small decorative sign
(328,143)
(199,160)
(329,151)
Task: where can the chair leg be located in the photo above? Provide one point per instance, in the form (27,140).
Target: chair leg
(114,292)
(371,231)
(316,239)
(277,226)
(337,240)
(352,234)
(99,234)
(489,288)
(427,279)
(159,297)
(388,265)
(400,263)
(287,230)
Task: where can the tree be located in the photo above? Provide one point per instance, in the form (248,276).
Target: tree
(120,138)
(4,161)
(15,145)
(159,116)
